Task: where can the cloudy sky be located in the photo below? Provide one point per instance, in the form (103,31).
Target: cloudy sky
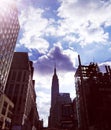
(57,31)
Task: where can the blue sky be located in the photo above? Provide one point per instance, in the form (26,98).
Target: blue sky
(57,31)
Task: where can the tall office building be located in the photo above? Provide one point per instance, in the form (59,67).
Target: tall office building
(54,95)
(20,89)
(57,100)
(55,88)
(9,28)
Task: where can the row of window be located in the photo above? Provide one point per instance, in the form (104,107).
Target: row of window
(7,109)
(9,27)
(18,76)
(8,11)
(9,31)
(7,36)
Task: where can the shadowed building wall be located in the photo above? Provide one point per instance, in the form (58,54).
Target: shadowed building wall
(20,89)
(93,94)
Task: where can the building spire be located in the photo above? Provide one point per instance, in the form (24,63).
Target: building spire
(54,88)
(55,68)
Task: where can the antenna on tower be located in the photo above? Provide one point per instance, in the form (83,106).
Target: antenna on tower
(79,60)
(55,67)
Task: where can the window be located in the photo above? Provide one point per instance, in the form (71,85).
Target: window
(13,75)
(10,108)
(5,104)
(3,110)
(9,114)
(19,76)
(1,123)
(24,76)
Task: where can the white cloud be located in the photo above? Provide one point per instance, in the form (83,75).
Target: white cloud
(105,63)
(70,38)
(67,83)
(81,22)
(92,35)
(33,25)
(85,19)
(72,54)
(43,88)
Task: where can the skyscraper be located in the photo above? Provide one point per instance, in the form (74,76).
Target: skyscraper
(20,89)
(55,88)
(54,94)
(57,100)
(9,28)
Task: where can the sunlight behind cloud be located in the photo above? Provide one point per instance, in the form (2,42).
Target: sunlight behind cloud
(4,4)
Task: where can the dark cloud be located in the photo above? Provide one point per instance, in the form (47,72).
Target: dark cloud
(45,64)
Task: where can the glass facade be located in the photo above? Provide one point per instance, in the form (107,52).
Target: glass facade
(9,28)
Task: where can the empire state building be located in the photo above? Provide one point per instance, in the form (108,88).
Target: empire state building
(54,89)
(57,100)
(54,95)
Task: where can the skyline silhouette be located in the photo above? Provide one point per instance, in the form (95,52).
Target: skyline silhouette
(58,31)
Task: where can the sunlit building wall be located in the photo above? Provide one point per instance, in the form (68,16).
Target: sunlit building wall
(9,28)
